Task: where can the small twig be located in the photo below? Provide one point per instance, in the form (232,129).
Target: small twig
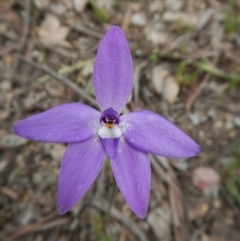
(63,79)
(66,70)
(179,210)
(109,209)
(226,108)
(9,49)
(126,19)
(176,220)
(9,192)
(137,71)
(197,92)
(175,196)
(31,228)
(232,145)
(198,233)
(232,205)
(61,51)
(87,31)
(52,224)
(100,184)
(130,224)
(201,86)
(157,168)
(23,39)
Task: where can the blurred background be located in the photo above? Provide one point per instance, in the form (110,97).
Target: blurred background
(186,67)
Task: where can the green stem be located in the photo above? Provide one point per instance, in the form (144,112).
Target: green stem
(109,230)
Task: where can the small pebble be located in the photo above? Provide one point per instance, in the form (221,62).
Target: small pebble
(229,125)
(211,113)
(232,134)
(195,118)
(237,121)
(138,19)
(219,124)
(201,134)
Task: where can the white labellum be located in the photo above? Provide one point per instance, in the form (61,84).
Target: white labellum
(105,132)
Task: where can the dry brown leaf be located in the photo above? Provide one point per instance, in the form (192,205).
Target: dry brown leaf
(156,36)
(180,17)
(80,5)
(9,192)
(57,151)
(51,32)
(105,4)
(139,19)
(174,5)
(165,84)
(159,219)
(57,8)
(41,3)
(156,6)
(171,89)
(12,140)
(198,211)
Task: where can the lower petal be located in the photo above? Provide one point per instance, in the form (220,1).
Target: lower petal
(131,169)
(80,166)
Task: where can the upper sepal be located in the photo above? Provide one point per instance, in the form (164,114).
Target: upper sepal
(113,71)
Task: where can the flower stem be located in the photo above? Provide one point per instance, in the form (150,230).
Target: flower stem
(109,229)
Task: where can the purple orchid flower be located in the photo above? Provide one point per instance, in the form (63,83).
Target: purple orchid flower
(92,135)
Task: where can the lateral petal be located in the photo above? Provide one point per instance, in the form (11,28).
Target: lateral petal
(80,166)
(65,123)
(150,132)
(131,169)
(113,71)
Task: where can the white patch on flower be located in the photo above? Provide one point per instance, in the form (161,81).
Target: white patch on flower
(96,139)
(150,117)
(95,124)
(124,126)
(105,132)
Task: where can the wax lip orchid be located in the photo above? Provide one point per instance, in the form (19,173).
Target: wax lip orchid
(92,135)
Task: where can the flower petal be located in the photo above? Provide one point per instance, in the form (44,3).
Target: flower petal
(65,123)
(131,169)
(80,166)
(152,133)
(110,145)
(113,71)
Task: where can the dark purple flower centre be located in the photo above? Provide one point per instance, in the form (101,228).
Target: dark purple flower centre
(110,117)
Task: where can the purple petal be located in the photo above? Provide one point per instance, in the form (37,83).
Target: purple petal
(65,123)
(149,132)
(80,166)
(113,71)
(110,145)
(131,169)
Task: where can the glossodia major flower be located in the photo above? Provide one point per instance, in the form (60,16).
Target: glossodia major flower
(92,135)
